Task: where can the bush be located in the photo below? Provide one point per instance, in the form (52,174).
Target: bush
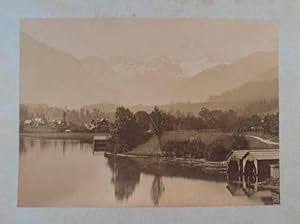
(218,150)
(196,149)
(184,149)
(239,142)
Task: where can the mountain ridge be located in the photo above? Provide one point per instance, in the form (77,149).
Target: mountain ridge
(53,77)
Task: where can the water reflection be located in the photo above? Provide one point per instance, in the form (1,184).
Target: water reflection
(237,181)
(125,176)
(22,146)
(32,143)
(239,187)
(247,184)
(157,189)
(67,173)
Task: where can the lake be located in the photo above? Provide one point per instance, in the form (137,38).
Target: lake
(66,173)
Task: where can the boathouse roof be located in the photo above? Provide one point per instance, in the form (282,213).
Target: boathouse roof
(259,154)
(263,154)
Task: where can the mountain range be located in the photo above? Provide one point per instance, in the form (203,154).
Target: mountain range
(52,77)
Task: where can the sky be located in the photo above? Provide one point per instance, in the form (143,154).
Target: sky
(195,44)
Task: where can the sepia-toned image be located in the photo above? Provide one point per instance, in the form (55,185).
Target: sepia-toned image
(139,112)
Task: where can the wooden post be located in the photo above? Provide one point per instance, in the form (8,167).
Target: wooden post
(243,174)
(93,144)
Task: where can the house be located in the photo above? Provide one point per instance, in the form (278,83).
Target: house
(56,123)
(28,122)
(103,125)
(261,161)
(38,120)
(100,125)
(103,121)
(90,127)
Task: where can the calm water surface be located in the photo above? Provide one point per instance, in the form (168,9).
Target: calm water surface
(66,173)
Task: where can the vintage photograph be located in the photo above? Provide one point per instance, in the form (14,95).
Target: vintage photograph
(139,112)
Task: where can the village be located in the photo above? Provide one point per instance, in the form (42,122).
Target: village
(39,124)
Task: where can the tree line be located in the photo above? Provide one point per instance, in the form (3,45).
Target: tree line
(223,120)
(226,121)
(130,130)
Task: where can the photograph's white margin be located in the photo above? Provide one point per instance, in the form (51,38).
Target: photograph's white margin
(285,12)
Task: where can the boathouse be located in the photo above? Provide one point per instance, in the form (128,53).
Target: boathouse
(101,142)
(263,161)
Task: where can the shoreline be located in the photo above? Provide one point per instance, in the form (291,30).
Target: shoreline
(209,167)
(81,136)
(89,136)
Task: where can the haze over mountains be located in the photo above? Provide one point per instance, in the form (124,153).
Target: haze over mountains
(52,77)
(262,87)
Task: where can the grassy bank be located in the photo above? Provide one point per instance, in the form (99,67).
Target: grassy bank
(264,136)
(151,147)
(208,138)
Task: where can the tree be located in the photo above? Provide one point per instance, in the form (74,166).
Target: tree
(143,120)
(231,120)
(158,123)
(65,117)
(271,124)
(212,119)
(24,113)
(43,117)
(239,142)
(255,120)
(204,114)
(126,132)
(217,150)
